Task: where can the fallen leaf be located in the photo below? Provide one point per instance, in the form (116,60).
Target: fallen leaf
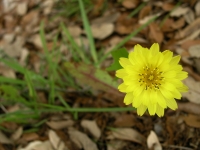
(188,30)
(189,108)
(75,31)
(125,24)
(56,125)
(4,139)
(187,44)
(178,24)
(126,120)
(145,12)
(192,120)
(155,33)
(194,90)
(92,127)
(116,144)
(17,134)
(22,8)
(129,4)
(197,8)
(38,145)
(153,142)
(56,141)
(109,18)
(194,51)
(168,6)
(190,16)
(128,134)
(82,140)
(101,31)
(179,11)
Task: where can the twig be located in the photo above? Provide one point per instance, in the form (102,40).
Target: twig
(178,147)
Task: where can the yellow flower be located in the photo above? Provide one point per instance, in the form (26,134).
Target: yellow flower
(151,79)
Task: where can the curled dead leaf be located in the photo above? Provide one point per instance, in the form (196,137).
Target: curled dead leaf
(153,142)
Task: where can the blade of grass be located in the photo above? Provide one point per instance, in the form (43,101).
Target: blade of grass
(74,44)
(51,70)
(127,38)
(11,81)
(88,31)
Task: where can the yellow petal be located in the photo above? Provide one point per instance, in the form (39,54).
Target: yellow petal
(153,97)
(182,75)
(122,87)
(154,49)
(166,93)
(171,103)
(128,99)
(175,60)
(152,109)
(176,94)
(167,56)
(169,86)
(159,110)
(121,73)
(124,62)
(170,74)
(161,100)
(141,109)
(183,88)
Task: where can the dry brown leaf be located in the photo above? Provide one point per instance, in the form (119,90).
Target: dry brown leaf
(29,137)
(125,24)
(167,25)
(185,45)
(145,11)
(190,16)
(193,27)
(129,4)
(127,134)
(192,73)
(82,140)
(179,11)
(109,18)
(155,33)
(194,51)
(193,95)
(22,8)
(101,31)
(167,6)
(178,24)
(190,37)
(116,144)
(192,120)
(147,18)
(56,141)
(6,71)
(56,125)
(126,120)
(92,127)
(153,142)
(197,8)
(189,108)
(75,31)
(17,134)
(38,145)
(4,139)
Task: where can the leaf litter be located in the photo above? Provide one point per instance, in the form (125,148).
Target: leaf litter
(177,30)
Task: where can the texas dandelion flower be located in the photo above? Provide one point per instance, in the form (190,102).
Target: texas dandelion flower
(151,79)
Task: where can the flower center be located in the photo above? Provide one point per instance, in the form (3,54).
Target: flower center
(150,78)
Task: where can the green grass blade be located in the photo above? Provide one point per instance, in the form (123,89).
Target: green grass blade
(88,31)
(74,44)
